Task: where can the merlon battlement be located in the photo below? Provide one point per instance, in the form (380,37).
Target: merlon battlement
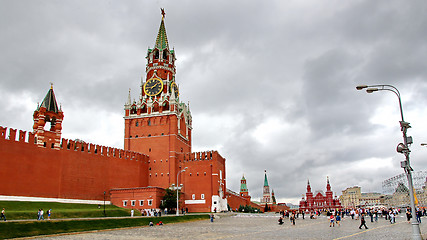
(200,156)
(22,137)
(10,134)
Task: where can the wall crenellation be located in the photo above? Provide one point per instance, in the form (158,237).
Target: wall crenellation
(91,148)
(200,156)
(67,145)
(23,136)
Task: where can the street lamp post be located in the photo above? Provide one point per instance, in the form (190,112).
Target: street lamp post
(104,205)
(177,191)
(401,148)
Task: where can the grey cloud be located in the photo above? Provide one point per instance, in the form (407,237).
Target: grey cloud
(242,66)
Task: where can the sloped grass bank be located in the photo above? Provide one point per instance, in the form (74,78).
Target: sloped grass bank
(36,228)
(28,210)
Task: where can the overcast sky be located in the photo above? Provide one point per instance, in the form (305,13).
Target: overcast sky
(271,84)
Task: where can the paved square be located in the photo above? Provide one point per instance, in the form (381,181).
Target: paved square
(261,226)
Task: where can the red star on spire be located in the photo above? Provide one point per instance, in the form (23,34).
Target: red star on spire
(163,12)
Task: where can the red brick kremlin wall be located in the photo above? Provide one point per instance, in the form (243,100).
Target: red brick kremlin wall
(234,200)
(76,171)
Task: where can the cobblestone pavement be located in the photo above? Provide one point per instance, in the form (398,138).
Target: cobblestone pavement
(260,226)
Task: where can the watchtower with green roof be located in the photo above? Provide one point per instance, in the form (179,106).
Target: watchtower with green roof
(48,112)
(243,187)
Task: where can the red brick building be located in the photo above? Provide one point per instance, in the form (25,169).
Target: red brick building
(319,201)
(157,151)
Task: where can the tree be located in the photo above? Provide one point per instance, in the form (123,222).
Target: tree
(267,208)
(248,209)
(169,200)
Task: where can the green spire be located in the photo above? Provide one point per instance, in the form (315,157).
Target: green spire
(265,179)
(162,39)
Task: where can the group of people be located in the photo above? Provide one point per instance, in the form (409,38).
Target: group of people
(153,212)
(334,219)
(152,224)
(418,214)
(335,216)
(40,214)
(293,215)
(150,212)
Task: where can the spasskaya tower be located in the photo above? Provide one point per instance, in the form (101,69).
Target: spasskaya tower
(158,124)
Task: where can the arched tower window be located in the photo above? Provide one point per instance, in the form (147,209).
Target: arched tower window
(144,109)
(156,107)
(133,110)
(156,54)
(165,55)
(165,106)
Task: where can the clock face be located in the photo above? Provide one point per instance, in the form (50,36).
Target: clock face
(153,87)
(175,88)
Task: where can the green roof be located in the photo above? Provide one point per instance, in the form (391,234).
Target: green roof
(49,102)
(162,39)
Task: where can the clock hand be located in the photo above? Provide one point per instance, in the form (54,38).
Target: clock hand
(152,86)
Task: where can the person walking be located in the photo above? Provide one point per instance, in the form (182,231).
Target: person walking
(41,214)
(292,218)
(408,215)
(49,212)
(419,213)
(362,222)
(376,215)
(3,215)
(391,217)
(338,219)
(332,220)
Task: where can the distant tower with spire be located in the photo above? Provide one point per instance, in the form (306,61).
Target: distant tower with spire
(266,197)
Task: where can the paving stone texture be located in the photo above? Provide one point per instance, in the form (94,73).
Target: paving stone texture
(261,226)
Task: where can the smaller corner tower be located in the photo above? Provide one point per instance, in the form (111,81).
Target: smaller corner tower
(243,188)
(48,112)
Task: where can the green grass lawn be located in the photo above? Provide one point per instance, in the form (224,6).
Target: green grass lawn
(28,210)
(35,228)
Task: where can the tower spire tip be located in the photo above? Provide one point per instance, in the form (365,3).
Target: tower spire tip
(163,13)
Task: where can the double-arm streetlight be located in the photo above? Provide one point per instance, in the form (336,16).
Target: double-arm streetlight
(401,148)
(177,190)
